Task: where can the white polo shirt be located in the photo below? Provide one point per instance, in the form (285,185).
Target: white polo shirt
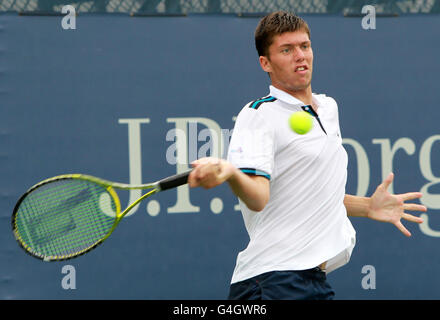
(305,222)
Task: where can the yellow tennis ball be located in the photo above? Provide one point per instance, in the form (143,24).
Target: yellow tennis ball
(301,122)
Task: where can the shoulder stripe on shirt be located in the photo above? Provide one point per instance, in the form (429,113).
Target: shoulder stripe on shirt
(255,172)
(257,103)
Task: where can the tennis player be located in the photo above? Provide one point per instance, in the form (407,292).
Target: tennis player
(291,187)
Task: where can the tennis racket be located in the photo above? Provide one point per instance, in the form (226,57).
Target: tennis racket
(68,215)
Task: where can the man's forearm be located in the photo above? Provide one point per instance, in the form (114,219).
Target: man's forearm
(357,206)
(252,190)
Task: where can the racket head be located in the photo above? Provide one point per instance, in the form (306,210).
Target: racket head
(65,216)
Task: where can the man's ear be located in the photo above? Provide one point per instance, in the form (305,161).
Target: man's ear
(265,64)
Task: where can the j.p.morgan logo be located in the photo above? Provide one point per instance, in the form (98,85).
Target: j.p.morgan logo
(194,137)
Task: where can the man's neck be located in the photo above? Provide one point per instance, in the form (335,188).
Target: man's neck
(305,95)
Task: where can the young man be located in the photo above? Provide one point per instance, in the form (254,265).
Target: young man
(291,187)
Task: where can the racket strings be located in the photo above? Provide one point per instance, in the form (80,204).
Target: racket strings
(64,217)
(59,221)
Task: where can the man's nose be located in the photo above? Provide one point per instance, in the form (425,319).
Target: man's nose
(298,54)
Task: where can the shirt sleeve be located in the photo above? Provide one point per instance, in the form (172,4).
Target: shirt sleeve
(251,148)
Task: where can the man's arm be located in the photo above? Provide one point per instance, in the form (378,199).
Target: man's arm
(357,206)
(211,172)
(385,207)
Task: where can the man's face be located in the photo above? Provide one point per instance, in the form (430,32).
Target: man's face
(290,61)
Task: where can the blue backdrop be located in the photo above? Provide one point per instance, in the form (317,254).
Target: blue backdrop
(107,97)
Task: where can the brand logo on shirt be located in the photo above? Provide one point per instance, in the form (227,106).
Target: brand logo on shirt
(237,150)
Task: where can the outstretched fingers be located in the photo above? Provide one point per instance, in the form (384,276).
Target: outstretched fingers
(388,180)
(410,196)
(414,207)
(411,218)
(402,228)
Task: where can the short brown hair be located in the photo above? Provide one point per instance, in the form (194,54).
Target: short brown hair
(274,24)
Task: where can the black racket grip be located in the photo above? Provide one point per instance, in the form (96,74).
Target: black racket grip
(174,181)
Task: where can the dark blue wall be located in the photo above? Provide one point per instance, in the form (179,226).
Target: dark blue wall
(63,94)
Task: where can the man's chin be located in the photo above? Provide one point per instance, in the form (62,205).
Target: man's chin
(301,87)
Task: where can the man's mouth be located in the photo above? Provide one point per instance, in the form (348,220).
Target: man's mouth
(301,69)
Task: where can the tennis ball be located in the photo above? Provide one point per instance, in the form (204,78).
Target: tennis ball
(301,122)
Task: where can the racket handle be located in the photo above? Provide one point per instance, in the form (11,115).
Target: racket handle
(174,181)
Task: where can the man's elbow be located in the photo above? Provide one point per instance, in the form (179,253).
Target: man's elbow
(258,206)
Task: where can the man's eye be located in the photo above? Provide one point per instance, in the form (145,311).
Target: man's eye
(285,50)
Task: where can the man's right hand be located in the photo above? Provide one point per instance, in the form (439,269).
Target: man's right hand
(210,172)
